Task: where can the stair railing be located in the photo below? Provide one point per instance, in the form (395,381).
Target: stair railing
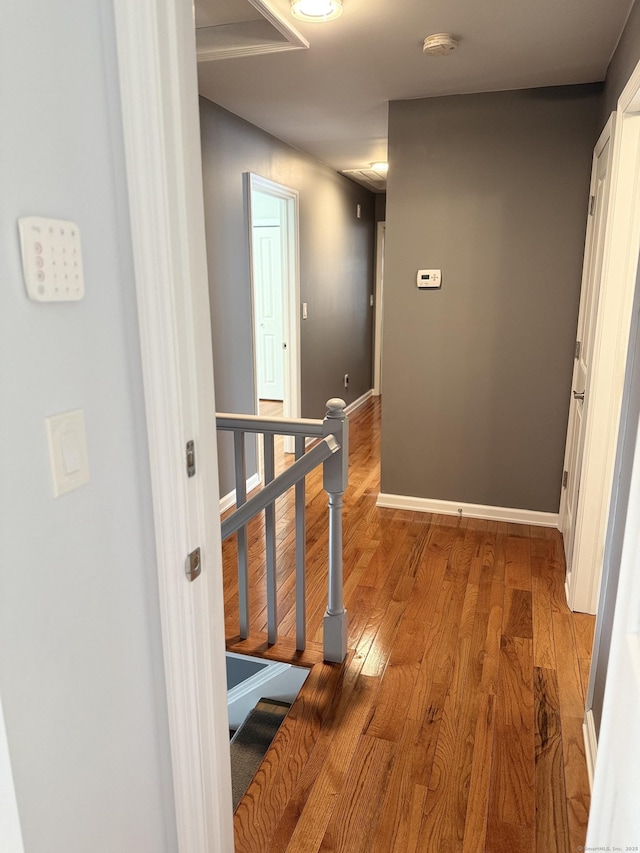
(332,451)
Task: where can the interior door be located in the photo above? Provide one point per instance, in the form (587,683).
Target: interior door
(269,311)
(591,276)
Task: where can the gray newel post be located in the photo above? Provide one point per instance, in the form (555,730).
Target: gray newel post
(335,478)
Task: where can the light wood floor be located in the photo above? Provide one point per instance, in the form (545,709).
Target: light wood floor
(455,724)
(270,408)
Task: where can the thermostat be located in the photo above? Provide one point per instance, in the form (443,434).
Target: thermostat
(429,279)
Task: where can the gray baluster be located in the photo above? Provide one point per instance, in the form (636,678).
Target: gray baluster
(335,479)
(301,555)
(270,543)
(243,556)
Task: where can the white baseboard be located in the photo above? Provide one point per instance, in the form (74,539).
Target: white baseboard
(590,744)
(465,510)
(359,402)
(229,499)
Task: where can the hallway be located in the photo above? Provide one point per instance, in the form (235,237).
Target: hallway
(455,723)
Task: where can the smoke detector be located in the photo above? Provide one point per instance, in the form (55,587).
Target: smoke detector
(439,44)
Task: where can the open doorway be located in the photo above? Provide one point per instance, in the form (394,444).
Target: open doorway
(273,240)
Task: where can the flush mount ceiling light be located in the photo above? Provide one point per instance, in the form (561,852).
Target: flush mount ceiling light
(439,44)
(316,10)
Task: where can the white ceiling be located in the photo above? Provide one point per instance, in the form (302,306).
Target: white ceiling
(331,100)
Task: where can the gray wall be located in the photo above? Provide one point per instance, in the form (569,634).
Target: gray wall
(492,189)
(81,673)
(336,268)
(622,64)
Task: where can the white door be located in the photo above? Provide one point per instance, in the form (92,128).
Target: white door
(591,276)
(269,311)
(261,196)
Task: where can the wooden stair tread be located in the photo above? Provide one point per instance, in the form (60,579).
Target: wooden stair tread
(251,742)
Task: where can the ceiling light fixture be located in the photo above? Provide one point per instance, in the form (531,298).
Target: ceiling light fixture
(381,166)
(316,10)
(439,44)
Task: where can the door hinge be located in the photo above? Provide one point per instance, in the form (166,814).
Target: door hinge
(565,478)
(578,349)
(592,205)
(191,459)
(194,565)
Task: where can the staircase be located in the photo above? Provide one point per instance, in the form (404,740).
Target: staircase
(329,438)
(261,692)
(251,741)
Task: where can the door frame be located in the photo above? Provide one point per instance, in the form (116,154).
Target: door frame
(381,231)
(622,248)
(613,813)
(159,99)
(291,290)
(582,574)
(625,249)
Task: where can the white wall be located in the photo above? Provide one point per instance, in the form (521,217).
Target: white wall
(81,674)
(10,831)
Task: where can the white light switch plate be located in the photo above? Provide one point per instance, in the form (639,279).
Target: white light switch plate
(67,451)
(51,259)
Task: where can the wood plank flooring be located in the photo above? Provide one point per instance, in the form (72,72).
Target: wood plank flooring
(455,722)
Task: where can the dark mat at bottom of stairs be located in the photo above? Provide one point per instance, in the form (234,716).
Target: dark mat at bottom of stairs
(251,742)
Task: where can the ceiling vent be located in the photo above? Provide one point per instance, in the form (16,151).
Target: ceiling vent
(369,178)
(439,44)
(233,28)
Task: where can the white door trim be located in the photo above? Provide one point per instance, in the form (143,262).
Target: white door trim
(291,265)
(622,248)
(157,61)
(381,228)
(614,815)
